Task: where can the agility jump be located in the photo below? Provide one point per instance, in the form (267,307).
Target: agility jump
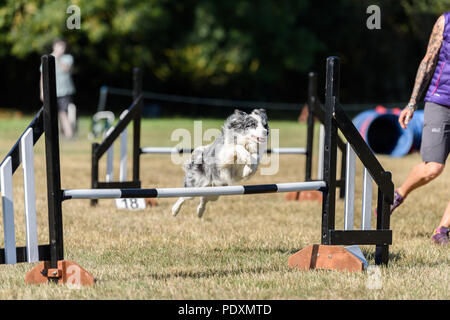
(327,255)
(134,114)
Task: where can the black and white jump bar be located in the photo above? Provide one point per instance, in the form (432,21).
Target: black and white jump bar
(169,150)
(192,192)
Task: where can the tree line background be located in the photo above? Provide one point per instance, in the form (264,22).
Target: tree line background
(234,49)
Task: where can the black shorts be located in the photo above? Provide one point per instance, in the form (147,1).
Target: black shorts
(435,144)
(63,102)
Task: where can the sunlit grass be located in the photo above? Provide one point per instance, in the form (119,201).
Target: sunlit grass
(239,250)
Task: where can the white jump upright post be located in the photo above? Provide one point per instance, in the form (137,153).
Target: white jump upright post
(8,212)
(366,201)
(27,159)
(349,213)
(110,160)
(123,151)
(349,188)
(321,152)
(365,212)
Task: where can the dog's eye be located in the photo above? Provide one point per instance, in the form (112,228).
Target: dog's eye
(251,124)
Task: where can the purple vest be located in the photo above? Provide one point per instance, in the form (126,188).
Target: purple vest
(439,89)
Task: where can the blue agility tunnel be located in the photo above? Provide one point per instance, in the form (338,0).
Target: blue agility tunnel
(382,132)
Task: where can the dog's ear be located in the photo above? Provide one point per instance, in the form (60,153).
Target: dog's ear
(261,112)
(239,112)
(236,121)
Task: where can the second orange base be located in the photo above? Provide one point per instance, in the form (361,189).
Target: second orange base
(304,195)
(328,257)
(151,202)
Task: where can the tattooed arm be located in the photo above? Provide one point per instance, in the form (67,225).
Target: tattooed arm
(425,71)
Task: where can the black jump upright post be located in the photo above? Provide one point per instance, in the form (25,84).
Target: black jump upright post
(330,147)
(137,92)
(94,170)
(383,223)
(55,270)
(54,192)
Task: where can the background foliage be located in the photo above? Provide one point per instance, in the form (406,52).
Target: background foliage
(232,49)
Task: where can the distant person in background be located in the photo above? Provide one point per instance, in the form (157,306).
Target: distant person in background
(436,130)
(65,88)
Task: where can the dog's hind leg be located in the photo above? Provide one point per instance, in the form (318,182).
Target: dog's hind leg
(176,207)
(202,206)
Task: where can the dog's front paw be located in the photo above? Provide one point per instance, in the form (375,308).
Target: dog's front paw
(227,157)
(247,171)
(242,156)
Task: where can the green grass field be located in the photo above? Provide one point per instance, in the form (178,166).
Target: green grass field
(238,250)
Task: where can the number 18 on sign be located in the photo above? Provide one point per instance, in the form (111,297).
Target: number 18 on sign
(130,203)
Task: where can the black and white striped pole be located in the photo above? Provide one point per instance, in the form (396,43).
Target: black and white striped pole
(192,192)
(171,150)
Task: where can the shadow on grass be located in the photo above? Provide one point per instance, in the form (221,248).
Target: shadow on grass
(212,273)
(393,256)
(288,251)
(228,271)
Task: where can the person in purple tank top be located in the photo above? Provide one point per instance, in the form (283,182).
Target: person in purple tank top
(435,147)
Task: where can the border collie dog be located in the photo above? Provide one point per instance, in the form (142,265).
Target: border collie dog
(233,156)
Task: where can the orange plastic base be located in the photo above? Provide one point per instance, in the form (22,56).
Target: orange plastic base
(304,195)
(310,195)
(68,272)
(292,196)
(327,257)
(151,202)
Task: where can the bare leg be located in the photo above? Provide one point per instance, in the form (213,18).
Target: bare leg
(445,221)
(420,175)
(65,124)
